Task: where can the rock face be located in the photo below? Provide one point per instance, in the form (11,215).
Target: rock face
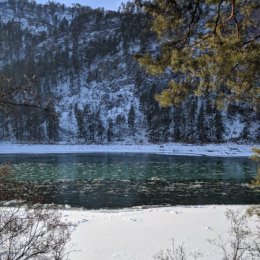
(85,70)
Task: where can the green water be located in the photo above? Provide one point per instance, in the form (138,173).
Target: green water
(123,180)
(128,167)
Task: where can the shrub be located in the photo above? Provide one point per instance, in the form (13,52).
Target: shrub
(242,242)
(32,232)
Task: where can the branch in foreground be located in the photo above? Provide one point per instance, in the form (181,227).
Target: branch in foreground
(33,233)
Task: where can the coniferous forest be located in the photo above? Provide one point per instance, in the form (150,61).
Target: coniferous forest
(89,87)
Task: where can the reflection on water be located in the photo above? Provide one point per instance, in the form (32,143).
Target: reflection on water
(125,180)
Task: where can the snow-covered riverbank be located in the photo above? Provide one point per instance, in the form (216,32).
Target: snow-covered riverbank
(138,234)
(229,149)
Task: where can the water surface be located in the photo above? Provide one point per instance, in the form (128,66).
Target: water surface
(126,180)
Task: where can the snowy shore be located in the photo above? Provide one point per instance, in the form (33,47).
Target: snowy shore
(139,234)
(222,150)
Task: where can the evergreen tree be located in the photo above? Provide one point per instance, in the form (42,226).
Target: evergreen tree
(99,128)
(120,127)
(153,119)
(110,131)
(131,120)
(201,125)
(177,124)
(213,45)
(100,131)
(4,122)
(88,123)
(80,122)
(219,128)
(191,120)
(52,124)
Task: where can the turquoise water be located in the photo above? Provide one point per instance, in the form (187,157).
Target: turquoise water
(125,180)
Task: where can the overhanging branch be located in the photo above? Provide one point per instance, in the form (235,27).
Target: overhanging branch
(10,103)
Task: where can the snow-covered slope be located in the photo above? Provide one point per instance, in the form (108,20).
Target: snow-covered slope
(96,92)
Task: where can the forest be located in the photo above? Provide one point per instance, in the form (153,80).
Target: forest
(84,76)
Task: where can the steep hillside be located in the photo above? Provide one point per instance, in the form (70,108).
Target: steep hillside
(85,72)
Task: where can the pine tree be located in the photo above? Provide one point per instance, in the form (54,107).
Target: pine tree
(131,120)
(177,124)
(219,128)
(87,119)
(120,127)
(213,45)
(52,124)
(110,131)
(201,125)
(80,122)
(99,128)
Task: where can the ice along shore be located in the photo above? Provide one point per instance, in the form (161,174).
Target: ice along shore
(218,150)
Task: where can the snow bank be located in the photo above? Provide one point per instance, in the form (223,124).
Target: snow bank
(229,149)
(140,233)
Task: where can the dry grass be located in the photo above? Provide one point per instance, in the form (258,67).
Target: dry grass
(5,171)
